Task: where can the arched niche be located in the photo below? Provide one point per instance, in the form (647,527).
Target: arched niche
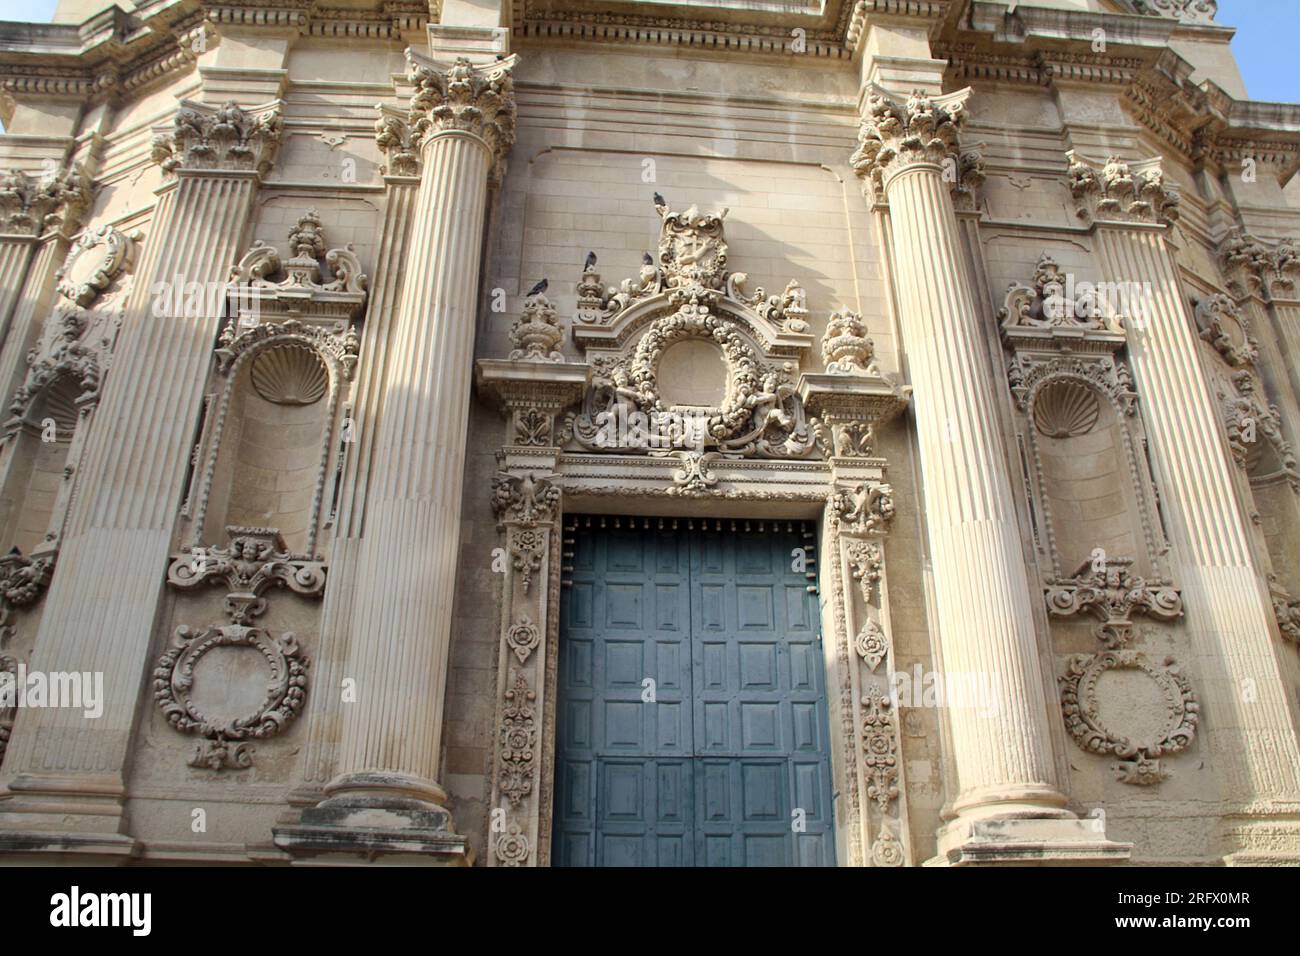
(267,459)
(33,464)
(1089,476)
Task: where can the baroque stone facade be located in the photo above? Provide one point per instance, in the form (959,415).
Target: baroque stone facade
(993,305)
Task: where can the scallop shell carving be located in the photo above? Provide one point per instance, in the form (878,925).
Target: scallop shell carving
(289,375)
(61,405)
(1066,409)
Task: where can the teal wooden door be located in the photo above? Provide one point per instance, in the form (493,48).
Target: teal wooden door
(691,725)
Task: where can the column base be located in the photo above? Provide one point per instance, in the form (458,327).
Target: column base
(1265,835)
(390,819)
(1029,840)
(70,819)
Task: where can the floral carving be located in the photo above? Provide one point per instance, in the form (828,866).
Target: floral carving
(226,137)
(1139,762)
(537,334)
(1113,595)
(523,637)
(226,743)
(865,564)
(393,136)
(512,847)
(871,644)
(1121,191)
(30,206)
(526,500)
(887,849)
(518,740)
(255,561)
(846,348)
(526,552)
(880,747)
(532,427)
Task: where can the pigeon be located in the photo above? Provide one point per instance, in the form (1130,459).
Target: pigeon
(537,289)
(660,202)
(646,259)
(590,263)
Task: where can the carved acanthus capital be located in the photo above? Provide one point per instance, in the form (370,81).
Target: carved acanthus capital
(30,206)
(479,100)
(396,140)
(228,137)
(255,560)
(1184,11)
(1118,191)
(1113,595)
(1252,267)
(898,132)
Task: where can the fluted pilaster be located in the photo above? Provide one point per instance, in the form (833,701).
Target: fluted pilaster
(462,118)
(1246,717)
(103,601)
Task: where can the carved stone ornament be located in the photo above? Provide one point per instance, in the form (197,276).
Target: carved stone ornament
(866,561)
(255,560)
(880,749)
(871,644)
(312,284)
(524,637)
(393,136)
(1028,374)
(537,334)
(1287,613)
(1252,267)
(846,348)
(1053,312)
(1184,11)
(887,849)
(1224,326)
(866,508)
(1252,425)
(512,846)
(95,260)
(22,582)
(340,345)
(518,740)
(524,500)
(1113,595)
(226,743)
(478,100)
(897,132)
(227,137)
(1118,191)
(1139,761)
(31,206)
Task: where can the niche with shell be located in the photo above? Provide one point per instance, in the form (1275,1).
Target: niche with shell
(273,429)
(1089,477)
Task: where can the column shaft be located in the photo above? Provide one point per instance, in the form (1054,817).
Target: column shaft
(982,595)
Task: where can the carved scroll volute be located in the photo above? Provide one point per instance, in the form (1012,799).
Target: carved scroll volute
(870,768)
(527,506)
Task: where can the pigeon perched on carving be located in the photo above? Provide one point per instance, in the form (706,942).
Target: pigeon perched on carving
(647,259)
(590,263)
(660,203)
(537,289)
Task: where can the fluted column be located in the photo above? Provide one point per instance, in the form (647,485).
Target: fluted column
(1245,714)
(1002,755)
(386,795)
(67,770)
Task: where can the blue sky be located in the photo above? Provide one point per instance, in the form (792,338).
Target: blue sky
(1264,44)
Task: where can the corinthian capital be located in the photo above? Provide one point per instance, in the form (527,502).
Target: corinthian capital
(30,205)
(1116,191)
(479,100)
(897,132)
(227,137)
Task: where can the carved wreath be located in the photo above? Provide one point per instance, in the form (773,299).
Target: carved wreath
(226,744)
(1139,763)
